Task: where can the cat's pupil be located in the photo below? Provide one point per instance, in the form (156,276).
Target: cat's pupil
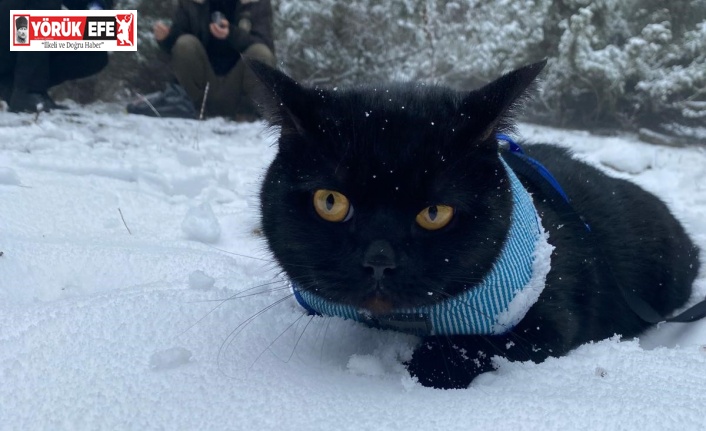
(330,200)
(433,212)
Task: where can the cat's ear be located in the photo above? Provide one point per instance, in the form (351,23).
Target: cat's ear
(278,97)
(489,108)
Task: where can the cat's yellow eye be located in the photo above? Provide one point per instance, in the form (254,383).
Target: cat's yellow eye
(332,206)
(435,217)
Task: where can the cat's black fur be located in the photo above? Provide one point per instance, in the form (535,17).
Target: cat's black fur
(396,149)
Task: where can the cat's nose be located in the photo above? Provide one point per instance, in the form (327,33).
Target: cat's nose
(379,256)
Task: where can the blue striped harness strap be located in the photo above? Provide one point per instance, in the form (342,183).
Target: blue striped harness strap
(494,306)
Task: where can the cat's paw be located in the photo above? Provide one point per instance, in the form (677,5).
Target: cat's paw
(444,364)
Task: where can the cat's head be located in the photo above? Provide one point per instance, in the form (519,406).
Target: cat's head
(388,196)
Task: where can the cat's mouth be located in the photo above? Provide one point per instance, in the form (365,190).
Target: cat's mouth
(378,305)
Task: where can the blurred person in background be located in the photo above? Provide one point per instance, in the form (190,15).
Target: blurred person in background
(27,76)
(206,40)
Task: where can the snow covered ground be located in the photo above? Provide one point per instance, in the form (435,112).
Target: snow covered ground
(131,266)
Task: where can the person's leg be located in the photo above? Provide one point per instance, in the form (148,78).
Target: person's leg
(6,77)
(31,73)
(257,52)
(36,72)
(67,66)
(7,57)
(235,96)
(191,67)
(223,99)
(32,69)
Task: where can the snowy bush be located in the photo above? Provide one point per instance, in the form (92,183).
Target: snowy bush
(611,62)
(456,42)
(629,63)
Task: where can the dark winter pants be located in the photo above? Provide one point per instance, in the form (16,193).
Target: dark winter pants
(228,95)
(36,72)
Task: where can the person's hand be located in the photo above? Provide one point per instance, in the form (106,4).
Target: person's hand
(160,31)
(220,30)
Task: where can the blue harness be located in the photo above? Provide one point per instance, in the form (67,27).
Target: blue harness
(494,306)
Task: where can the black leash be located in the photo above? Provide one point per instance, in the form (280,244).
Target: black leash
(541,178)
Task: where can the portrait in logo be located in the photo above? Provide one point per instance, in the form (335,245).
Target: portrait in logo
(22,30)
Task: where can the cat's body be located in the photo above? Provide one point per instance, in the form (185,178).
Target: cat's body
(392,197)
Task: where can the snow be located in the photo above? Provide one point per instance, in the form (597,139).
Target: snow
(200,280)
(170,358)
(613,157)
(114,315)
(9,176)
(201,224)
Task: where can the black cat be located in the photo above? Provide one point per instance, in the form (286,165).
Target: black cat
(398,205)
